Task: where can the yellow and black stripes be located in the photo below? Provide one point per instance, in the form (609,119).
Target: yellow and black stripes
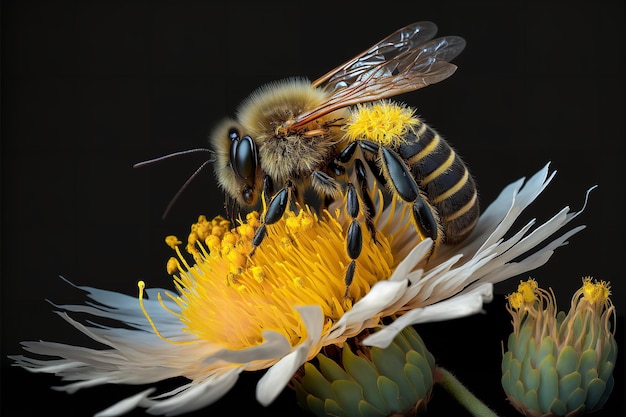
(444,178)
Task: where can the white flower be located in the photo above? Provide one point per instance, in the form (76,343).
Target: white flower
(275,311)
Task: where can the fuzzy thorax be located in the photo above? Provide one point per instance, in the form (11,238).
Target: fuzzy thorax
(290,154)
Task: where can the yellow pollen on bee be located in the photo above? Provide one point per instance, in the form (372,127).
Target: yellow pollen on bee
(385,122)
(230,298)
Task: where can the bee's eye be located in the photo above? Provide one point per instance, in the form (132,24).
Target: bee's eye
(243,157)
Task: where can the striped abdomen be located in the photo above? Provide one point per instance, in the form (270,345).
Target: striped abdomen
(444,178)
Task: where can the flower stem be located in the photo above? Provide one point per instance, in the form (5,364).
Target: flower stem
(463,395)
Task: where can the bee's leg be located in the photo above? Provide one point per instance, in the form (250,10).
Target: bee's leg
(268,188)
(361,176)
(396,173)
(404,185)
(354,238)
(325,185)
(370,209)
(275,210)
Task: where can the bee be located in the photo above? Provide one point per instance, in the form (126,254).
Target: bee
(287,144)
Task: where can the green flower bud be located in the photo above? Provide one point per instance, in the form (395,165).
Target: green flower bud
(560,364)
(372,382)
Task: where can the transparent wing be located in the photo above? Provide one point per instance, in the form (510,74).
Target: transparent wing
(400,41)
(406,60)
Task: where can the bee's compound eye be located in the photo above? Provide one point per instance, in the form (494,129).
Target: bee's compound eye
(243,158)
(248,194)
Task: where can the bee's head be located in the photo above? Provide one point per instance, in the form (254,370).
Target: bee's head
(237,165)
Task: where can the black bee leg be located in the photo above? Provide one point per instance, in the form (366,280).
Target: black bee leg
(361,176)
(370,209)
(354,238)
(275,211)
(268,188)
(403,184)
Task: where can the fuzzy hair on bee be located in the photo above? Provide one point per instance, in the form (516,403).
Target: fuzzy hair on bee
(283,154)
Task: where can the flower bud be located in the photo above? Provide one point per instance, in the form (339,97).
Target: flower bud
(560,364)
(369,381)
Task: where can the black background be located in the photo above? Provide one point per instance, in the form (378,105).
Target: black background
(89,88)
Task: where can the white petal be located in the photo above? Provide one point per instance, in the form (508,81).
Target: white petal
(274,346)
(417,254)
(381,295)
(195,395)
(453,308)
(126,405)
(278,376)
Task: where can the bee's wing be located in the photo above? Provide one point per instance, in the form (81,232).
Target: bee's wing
(406,60)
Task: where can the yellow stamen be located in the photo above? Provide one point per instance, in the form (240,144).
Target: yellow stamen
(142,286)
(528,290)
(173,266)
(595,292)
(229,297)
(516,300)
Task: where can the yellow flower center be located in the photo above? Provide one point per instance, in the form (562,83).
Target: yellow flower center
(229,297)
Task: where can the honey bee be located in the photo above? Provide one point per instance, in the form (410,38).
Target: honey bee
(287,144)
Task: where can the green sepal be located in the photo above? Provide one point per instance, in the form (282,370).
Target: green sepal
(415,377)
(518,390)
(549,383)
(506,382)
(314,382)
(589,376)
(605,370)
(515,367)
(390,362)
(332,408)
(522,342)
(331,370)
(607,392)
(424,366)
(368,410)
(530,378)
(595,391)
(568,384)
(588,361)
(315,405)
(364,373)
(546,349)
(530,400)
(558,408)
(567,361)
(391,394)
(402,342)
(348,395)
(576,399)
(419,346)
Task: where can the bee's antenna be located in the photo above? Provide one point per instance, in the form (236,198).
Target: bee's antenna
(182,188)
(179,153)
(164,157)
